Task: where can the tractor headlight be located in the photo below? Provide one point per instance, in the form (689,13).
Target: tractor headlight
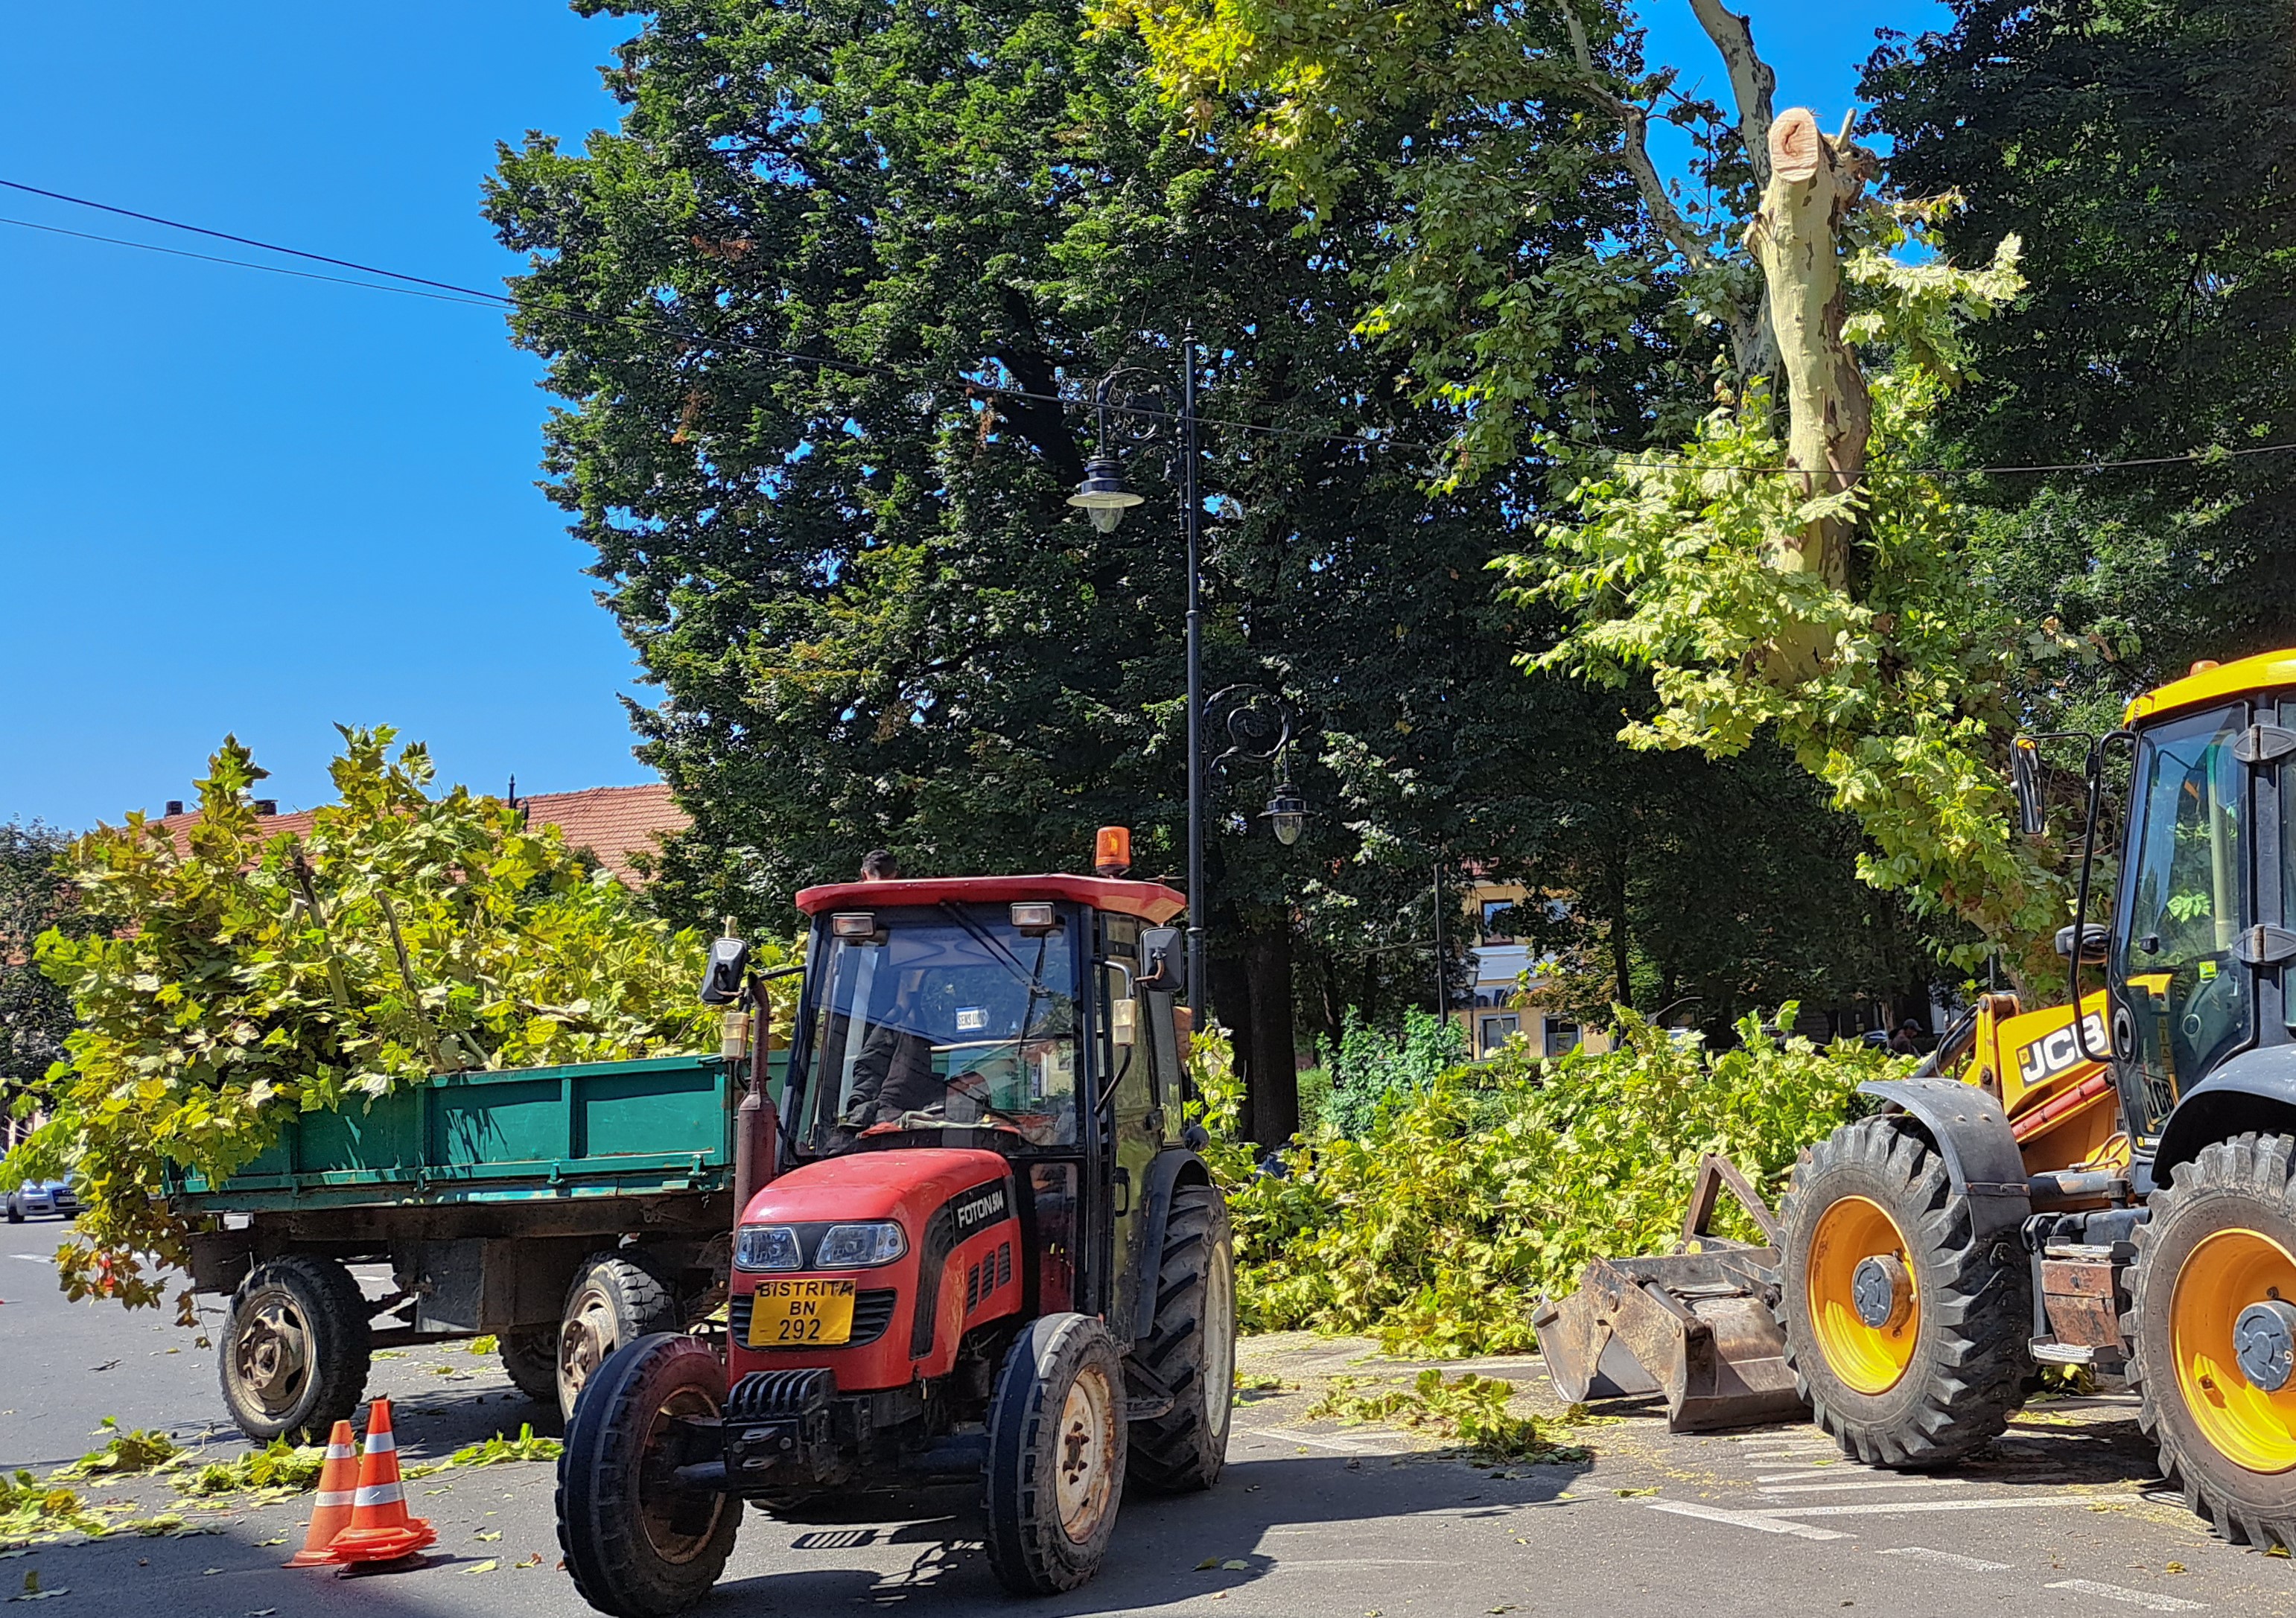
(859,1247)
(767,1247)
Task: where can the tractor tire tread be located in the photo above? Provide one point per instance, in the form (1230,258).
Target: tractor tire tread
(1029,1549)
(1182,1450)
(1976,1309)
(610,1568)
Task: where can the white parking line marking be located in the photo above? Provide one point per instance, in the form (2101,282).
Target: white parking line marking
(2134,1597)
(1759,1521)
(1344,1446)
(1997,1503)
(32,1258)
(1795,1477)
(1865,1482)
(1281,1564)
(1950,1558)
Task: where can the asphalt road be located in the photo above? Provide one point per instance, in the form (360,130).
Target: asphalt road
(2060,1517)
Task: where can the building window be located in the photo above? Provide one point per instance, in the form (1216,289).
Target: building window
(1492,1032)
(1497,916)
(1561,1037)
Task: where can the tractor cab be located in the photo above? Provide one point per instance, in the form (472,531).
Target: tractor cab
(974,1240)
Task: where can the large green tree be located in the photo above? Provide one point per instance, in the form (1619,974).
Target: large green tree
(35,896)
(2145,152)
(824,308)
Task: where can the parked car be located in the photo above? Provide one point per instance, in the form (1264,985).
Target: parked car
(38,1199)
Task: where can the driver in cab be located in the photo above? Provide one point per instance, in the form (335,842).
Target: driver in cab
(894,1074)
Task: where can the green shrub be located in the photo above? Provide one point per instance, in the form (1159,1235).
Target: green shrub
(1438,1229)
(1372,1071)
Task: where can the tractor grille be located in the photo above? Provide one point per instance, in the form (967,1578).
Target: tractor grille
(986,1276)
(873,1313)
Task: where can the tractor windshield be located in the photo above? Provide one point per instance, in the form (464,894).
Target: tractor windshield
(949,1018)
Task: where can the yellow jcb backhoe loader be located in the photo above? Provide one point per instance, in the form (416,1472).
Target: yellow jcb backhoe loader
(2110,1182)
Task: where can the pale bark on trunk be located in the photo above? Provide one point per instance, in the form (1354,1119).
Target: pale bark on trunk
(1795,237)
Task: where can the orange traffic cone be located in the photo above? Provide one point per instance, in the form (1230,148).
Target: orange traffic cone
(380,1530)
(338,1482)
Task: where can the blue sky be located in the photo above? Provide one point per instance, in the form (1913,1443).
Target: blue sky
(233,502)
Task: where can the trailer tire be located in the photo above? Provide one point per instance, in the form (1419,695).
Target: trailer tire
(1056,1450)
(637,1545)
(1870,1222)
(2226,1223)
(294,1351)
(1190,1349)
(530,1361)
(615,1298)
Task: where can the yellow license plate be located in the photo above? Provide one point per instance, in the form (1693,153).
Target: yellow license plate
(800,1314)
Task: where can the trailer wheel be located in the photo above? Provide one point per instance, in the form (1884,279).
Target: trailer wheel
(531,1359)
(637,1544)
(1191,1349)
(1056,1444)
(2212,1337)
(293,1354)
(614,1299)
(1908,1337)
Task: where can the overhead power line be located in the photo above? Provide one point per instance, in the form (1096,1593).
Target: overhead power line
(447,291)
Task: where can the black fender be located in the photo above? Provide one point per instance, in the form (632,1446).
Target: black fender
(1173,1167)
(2255,1090)
(1972,1134)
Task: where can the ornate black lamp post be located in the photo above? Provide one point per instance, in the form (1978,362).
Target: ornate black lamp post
(1142,418)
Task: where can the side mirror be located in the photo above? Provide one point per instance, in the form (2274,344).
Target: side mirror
(728,969)
(2096,941)
(2025,780)
(1163,950)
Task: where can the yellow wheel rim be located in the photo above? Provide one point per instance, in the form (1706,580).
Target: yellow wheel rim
(2227,1272)
(1870,1358)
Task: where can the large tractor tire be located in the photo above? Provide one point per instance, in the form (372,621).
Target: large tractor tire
(531,1359)
(1056,1446)
(293,1354)
(615,1299)
(1907,1335)
(2212,1327)
(1191,1349)
(637,1544)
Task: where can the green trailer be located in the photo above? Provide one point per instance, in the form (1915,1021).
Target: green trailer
(562,1210)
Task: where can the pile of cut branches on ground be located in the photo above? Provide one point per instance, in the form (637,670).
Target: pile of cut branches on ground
(1437,1229)
(250,978)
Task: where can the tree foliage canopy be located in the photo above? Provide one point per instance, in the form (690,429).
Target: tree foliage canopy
(250,978)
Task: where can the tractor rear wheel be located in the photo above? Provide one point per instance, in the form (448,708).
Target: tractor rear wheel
(639,1544)
(1056,1445)
(1907,1335)
(1191,1348)
(2212,1325)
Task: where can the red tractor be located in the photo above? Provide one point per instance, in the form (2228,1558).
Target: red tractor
(975,1242)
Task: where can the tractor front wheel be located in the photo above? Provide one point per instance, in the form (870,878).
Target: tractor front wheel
(1906,1332)
(2212,1327)
(638,1543)
(1056,1447)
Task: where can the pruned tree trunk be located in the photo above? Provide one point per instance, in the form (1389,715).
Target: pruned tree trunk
(1795,237)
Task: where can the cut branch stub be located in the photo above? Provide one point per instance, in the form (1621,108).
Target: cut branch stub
(1797,149)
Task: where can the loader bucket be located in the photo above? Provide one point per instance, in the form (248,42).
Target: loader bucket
(1695,1325)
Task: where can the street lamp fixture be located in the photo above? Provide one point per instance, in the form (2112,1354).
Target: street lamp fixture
(1286,814)
(1102,495)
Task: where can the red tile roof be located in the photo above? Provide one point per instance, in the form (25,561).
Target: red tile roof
(611,822)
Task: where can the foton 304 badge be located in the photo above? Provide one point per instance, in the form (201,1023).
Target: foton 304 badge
(980,1207)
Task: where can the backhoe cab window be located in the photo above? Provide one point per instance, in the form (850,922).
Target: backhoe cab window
(956,1020)
(2180,984)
